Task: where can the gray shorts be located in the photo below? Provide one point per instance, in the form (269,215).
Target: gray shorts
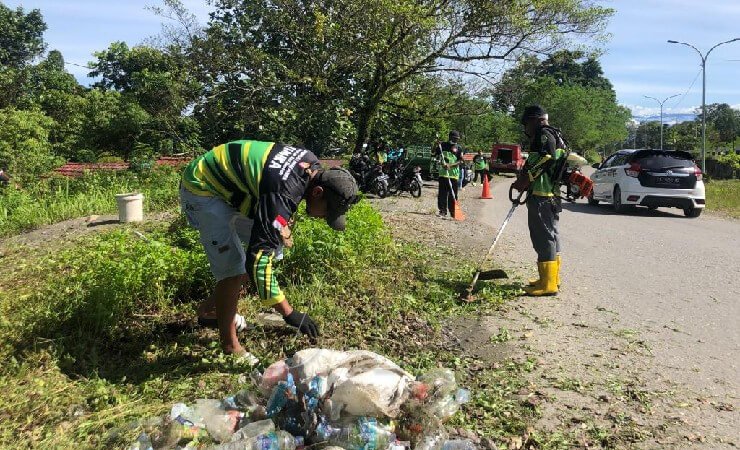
(223,230)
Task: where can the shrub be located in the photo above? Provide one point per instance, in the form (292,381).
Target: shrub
(25,150)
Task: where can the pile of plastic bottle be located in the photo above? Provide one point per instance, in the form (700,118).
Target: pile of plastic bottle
(282,414)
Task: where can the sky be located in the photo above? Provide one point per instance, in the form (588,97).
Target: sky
(637,59)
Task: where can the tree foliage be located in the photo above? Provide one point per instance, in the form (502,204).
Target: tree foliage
(24,143)
(321,73)
(283,54)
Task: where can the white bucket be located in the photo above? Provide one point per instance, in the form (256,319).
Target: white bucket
(130,207)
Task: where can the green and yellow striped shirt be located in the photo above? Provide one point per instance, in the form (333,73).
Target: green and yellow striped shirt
(231,171)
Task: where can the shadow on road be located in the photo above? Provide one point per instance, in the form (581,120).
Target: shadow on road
(606,210)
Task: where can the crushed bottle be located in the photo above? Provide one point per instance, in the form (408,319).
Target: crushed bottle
(364,433)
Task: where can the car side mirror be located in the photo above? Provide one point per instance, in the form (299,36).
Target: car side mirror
(596,165)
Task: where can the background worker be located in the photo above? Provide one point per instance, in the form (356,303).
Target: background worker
(247,191)
(450,159)
(479,165)
(543,204)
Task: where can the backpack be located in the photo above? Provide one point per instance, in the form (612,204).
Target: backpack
(560,167)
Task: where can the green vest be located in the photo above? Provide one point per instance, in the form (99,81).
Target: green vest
(480,164)
(543,185)
(452,172)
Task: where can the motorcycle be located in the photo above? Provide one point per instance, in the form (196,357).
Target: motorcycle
(405,179)
(369,176)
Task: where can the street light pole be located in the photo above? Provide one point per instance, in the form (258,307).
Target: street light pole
(661,114)
(703,96)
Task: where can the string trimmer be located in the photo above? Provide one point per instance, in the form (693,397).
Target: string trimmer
(496,273)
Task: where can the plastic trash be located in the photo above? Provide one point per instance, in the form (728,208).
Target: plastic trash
(283,391)
(178,431)
(364,434)
(363,383)
(245,401)
(142,443)
(275,440)
(432,441)
(254,429)
(219,422)
(459,444)
(275,373)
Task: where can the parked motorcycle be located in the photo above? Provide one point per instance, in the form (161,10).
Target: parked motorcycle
(405,179)
(369,175)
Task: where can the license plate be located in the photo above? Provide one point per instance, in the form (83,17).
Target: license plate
(668,180)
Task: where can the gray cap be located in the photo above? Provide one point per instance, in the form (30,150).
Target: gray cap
(340,191)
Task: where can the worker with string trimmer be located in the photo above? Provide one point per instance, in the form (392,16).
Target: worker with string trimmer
(548,167)
(541,177)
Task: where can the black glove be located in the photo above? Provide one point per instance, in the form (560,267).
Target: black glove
(303,322)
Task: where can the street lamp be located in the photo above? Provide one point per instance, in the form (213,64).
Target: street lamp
(661,114)
(703,96)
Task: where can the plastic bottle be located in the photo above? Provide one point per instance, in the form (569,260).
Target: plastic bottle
(366,433)
(276,440)
(219,422)
(432,441)
(459,444)
(254,429)
(178,431)
(283,391)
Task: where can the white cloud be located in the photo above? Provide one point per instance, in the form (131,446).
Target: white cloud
(642,111)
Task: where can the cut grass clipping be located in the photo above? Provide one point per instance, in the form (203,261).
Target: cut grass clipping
(97,337)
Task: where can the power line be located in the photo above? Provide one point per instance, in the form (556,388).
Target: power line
(688,90)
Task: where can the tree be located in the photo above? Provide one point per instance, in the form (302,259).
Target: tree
(24,145)
(565,67)
(589,116)
(648,134)
(21,41)
(158,82)
(22,38)
(724,120)
(280,53)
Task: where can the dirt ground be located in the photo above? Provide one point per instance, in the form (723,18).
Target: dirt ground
(639,366)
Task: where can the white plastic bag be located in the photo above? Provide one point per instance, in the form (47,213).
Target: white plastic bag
(364,383)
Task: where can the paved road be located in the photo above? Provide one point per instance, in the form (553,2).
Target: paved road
(672,281)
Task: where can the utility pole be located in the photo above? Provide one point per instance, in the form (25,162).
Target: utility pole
(661,114)
(703,96)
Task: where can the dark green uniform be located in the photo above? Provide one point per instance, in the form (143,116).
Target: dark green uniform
(543,205)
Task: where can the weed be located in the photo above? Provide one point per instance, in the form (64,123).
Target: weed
(59,198)
(724,196)
(100,335)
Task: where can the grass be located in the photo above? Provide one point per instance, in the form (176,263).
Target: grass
(724,196)
(98,336)
(59,198)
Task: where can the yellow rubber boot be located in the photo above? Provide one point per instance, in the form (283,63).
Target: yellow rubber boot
(536,281)
(548,280)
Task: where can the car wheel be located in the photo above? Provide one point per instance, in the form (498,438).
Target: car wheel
(591,200)
(617,201)
(692,212)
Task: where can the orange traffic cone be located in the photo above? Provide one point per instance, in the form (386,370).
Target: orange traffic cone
(457,213)
(486,194)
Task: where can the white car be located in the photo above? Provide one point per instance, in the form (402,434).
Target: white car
(652,178)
